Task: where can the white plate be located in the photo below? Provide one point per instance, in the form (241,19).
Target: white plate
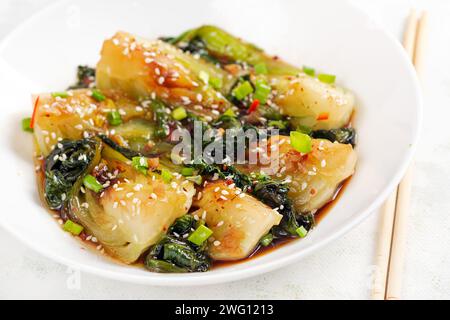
(333,36)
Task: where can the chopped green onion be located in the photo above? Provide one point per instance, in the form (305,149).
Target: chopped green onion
(91,183)
(187,171)
(266,240)
(301,231)
(61,94)
(230,112)
(200,235)
(140,164)
(195,179)
(309,71)
(280,124)
(216,83)
(166,175)
(261,68)
(300,142)
(242,90)
(262,90)
(179,113)
(114,118)
(72,227)
(204,76)
(326,78)
(97,95)
(304,129)
(26,122)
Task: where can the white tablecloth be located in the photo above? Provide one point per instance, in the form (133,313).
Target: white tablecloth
(342,269)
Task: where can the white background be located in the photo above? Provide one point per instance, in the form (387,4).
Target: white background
(343,269)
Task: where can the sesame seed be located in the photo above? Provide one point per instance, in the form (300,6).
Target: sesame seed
(323,163)
(216,243)
(153,196)
(161,80)
(220,223)
(129,194)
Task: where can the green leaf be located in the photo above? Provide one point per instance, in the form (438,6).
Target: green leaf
(300,142)
(114,118)
(73,228)
(166,175)
(301,231)
(309,71)
(91,183)
(97,95)
(179,113)
(26,122)
(242,90)
(326,78)
(61,94)
(261,68)
(200,235)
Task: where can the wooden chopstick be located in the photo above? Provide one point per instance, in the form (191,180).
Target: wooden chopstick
(394,276)
(392,235)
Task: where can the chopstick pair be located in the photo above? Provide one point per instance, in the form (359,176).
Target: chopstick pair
(394,213)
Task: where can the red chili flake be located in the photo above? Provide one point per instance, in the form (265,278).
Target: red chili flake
(253,106)
(229,181)
(34,113)
(322,116)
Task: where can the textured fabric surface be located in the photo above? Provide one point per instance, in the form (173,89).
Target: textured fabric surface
(343,269)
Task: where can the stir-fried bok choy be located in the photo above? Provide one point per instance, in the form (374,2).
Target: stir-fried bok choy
(182,151)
